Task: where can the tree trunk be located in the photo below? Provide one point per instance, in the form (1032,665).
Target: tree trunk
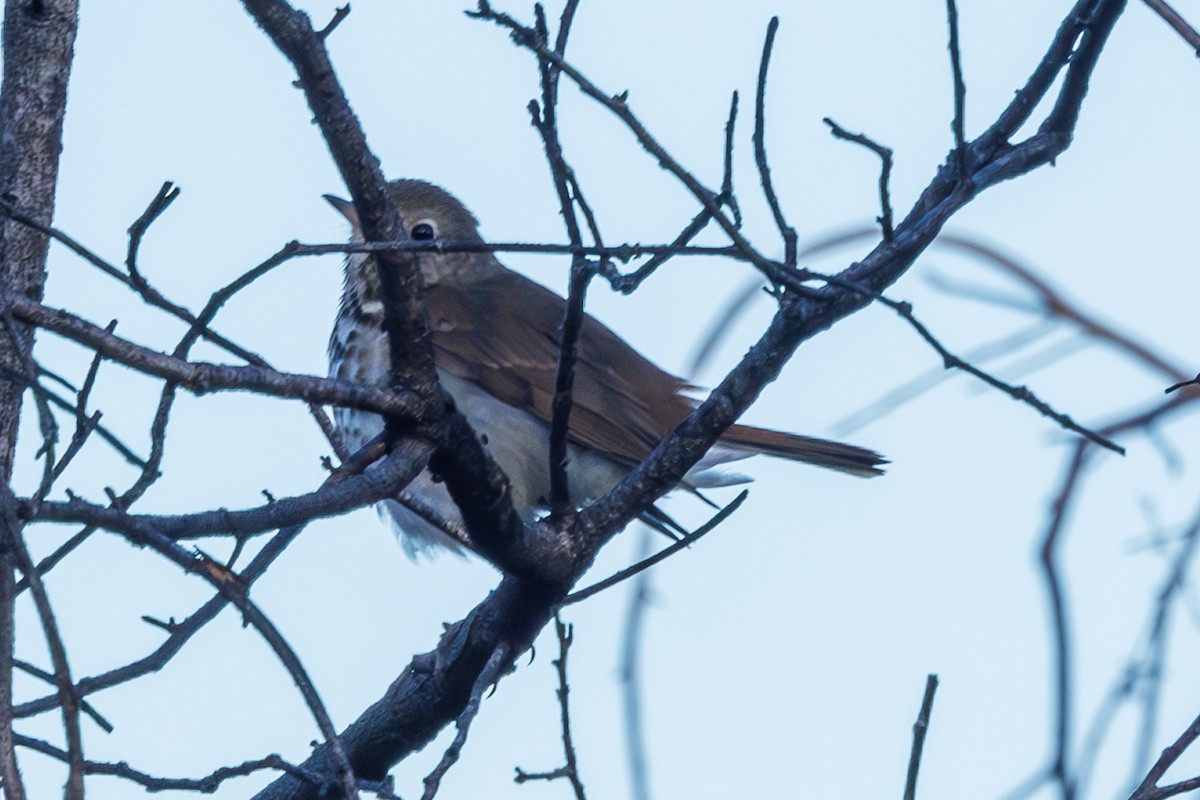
(39,42)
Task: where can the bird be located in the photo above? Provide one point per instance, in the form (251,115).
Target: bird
(495,338)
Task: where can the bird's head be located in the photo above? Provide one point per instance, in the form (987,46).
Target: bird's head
(430,212)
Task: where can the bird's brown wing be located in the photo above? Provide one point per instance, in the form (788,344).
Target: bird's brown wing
(623,404)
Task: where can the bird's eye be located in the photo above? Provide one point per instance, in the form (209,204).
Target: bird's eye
(423,232)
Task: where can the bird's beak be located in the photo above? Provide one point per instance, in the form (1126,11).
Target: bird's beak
(343,207)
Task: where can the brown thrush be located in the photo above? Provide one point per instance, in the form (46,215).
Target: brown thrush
(495,337)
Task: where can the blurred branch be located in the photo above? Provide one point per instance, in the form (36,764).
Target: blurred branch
(1060,772)
(1143,674)
(919,384)
(1055,304)
(630,676)
(1177,23)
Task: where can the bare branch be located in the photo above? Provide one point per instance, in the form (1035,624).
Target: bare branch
(206,785)
(399,274)
(338,16)
(581,272)
(1177,23)
(616,103)
(202,377)
(920,728)
(1060,771)
(570,769)
(371,486)
(666,552)
(760,148)
(960,93)
(1177,386)
(885,172)
(1149,789)
(491,672)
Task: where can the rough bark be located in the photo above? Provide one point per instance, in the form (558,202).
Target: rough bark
(39,43)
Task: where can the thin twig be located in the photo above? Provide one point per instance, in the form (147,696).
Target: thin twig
(1149,788)
(21,346)
(760,148)
(1177,386)
(1177,22)
(10,772)
(84,706)
(526,37)
(167,194)
(490,673)
(338,16)
(960,94)
(150,296)
(61,402)
(563,176)
(68,697)
(570,769)
(727,193)
(951,361)
(885,172)
(666,552)
(920,728)
(328,500)
(183,631)
(152,783)
(1022,394)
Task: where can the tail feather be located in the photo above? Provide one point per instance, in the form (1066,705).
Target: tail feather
(819,452)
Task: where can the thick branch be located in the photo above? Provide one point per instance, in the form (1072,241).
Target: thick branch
(492,522)
(399,273)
